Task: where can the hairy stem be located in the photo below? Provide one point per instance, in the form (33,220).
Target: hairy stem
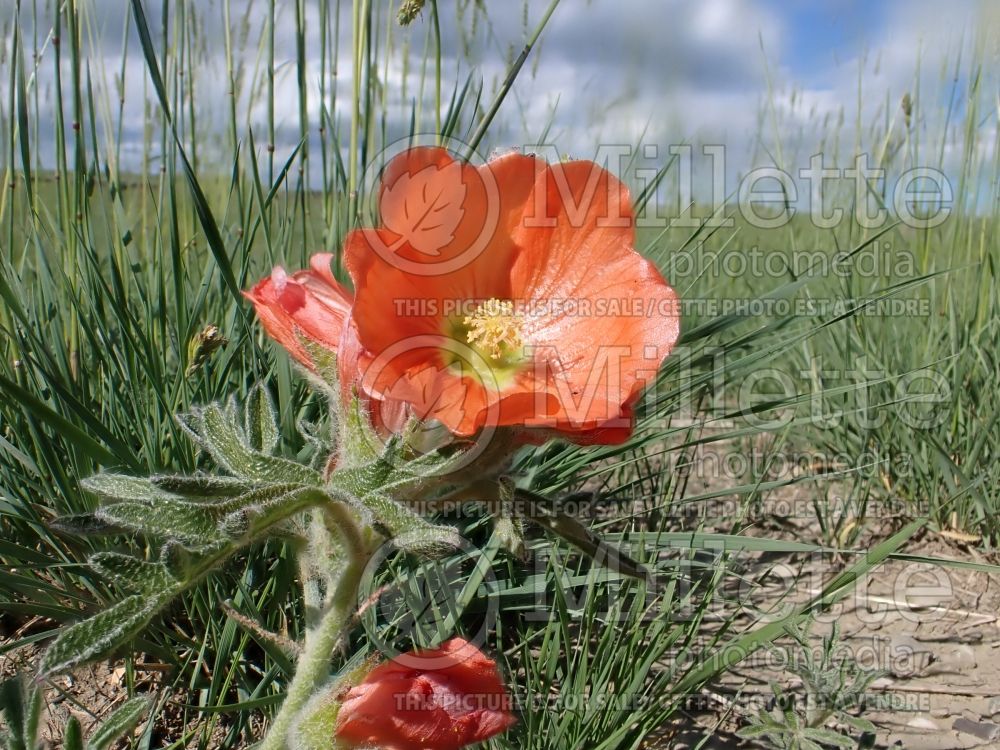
(313,666)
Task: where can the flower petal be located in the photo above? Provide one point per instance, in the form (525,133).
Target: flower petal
(309,303)
(403,292)
(600,316)
(456,700)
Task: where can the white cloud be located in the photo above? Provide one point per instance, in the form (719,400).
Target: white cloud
(665,71)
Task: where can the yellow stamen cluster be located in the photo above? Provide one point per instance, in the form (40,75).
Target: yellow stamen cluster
(494,327)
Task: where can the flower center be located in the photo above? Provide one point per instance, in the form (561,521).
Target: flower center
(495,328)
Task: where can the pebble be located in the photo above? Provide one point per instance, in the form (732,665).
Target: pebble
(982,729)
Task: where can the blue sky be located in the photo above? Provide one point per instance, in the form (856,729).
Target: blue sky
(624,71)
(707,55)
(696,71)
(821,33)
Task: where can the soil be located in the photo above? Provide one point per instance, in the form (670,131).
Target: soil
(932,630)
(93,692)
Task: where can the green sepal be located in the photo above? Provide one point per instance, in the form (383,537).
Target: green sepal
(315,726)
(324,373)
(358,444)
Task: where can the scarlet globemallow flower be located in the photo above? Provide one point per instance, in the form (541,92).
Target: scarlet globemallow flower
(431,699)
(507,295)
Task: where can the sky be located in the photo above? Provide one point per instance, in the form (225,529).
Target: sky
(651,72)
(705,70)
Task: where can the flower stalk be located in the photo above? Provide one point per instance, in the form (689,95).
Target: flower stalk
(321,640)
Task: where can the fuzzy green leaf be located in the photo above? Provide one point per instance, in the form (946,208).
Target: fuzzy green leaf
(381,476)
(316,435)
(201,485)
(409,531)
(857,722)
(179,562)
(133,574)
(828,737)
(35,705)
(754,730)
(121,721)
(85,524)
(432,541)
(260,420)
(257,496)
(118,487)
(252,519)
(73,736)
(14,701)
(223,438)
(192,523)
(99,635)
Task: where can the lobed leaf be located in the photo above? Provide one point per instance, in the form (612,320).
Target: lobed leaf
(133,574)
(119,487)
(260,420)
(201,485)
(179,562)
(193,523)
(258,496)
(220,434)
(385,475)
(99,635)
(409,531)
(254,518)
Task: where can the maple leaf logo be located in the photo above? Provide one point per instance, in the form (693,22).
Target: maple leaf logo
(424,208)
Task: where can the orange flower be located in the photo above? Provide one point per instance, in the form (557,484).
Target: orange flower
(309,303)
(312,305)
(431,699)
(502,296)
(508,296)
